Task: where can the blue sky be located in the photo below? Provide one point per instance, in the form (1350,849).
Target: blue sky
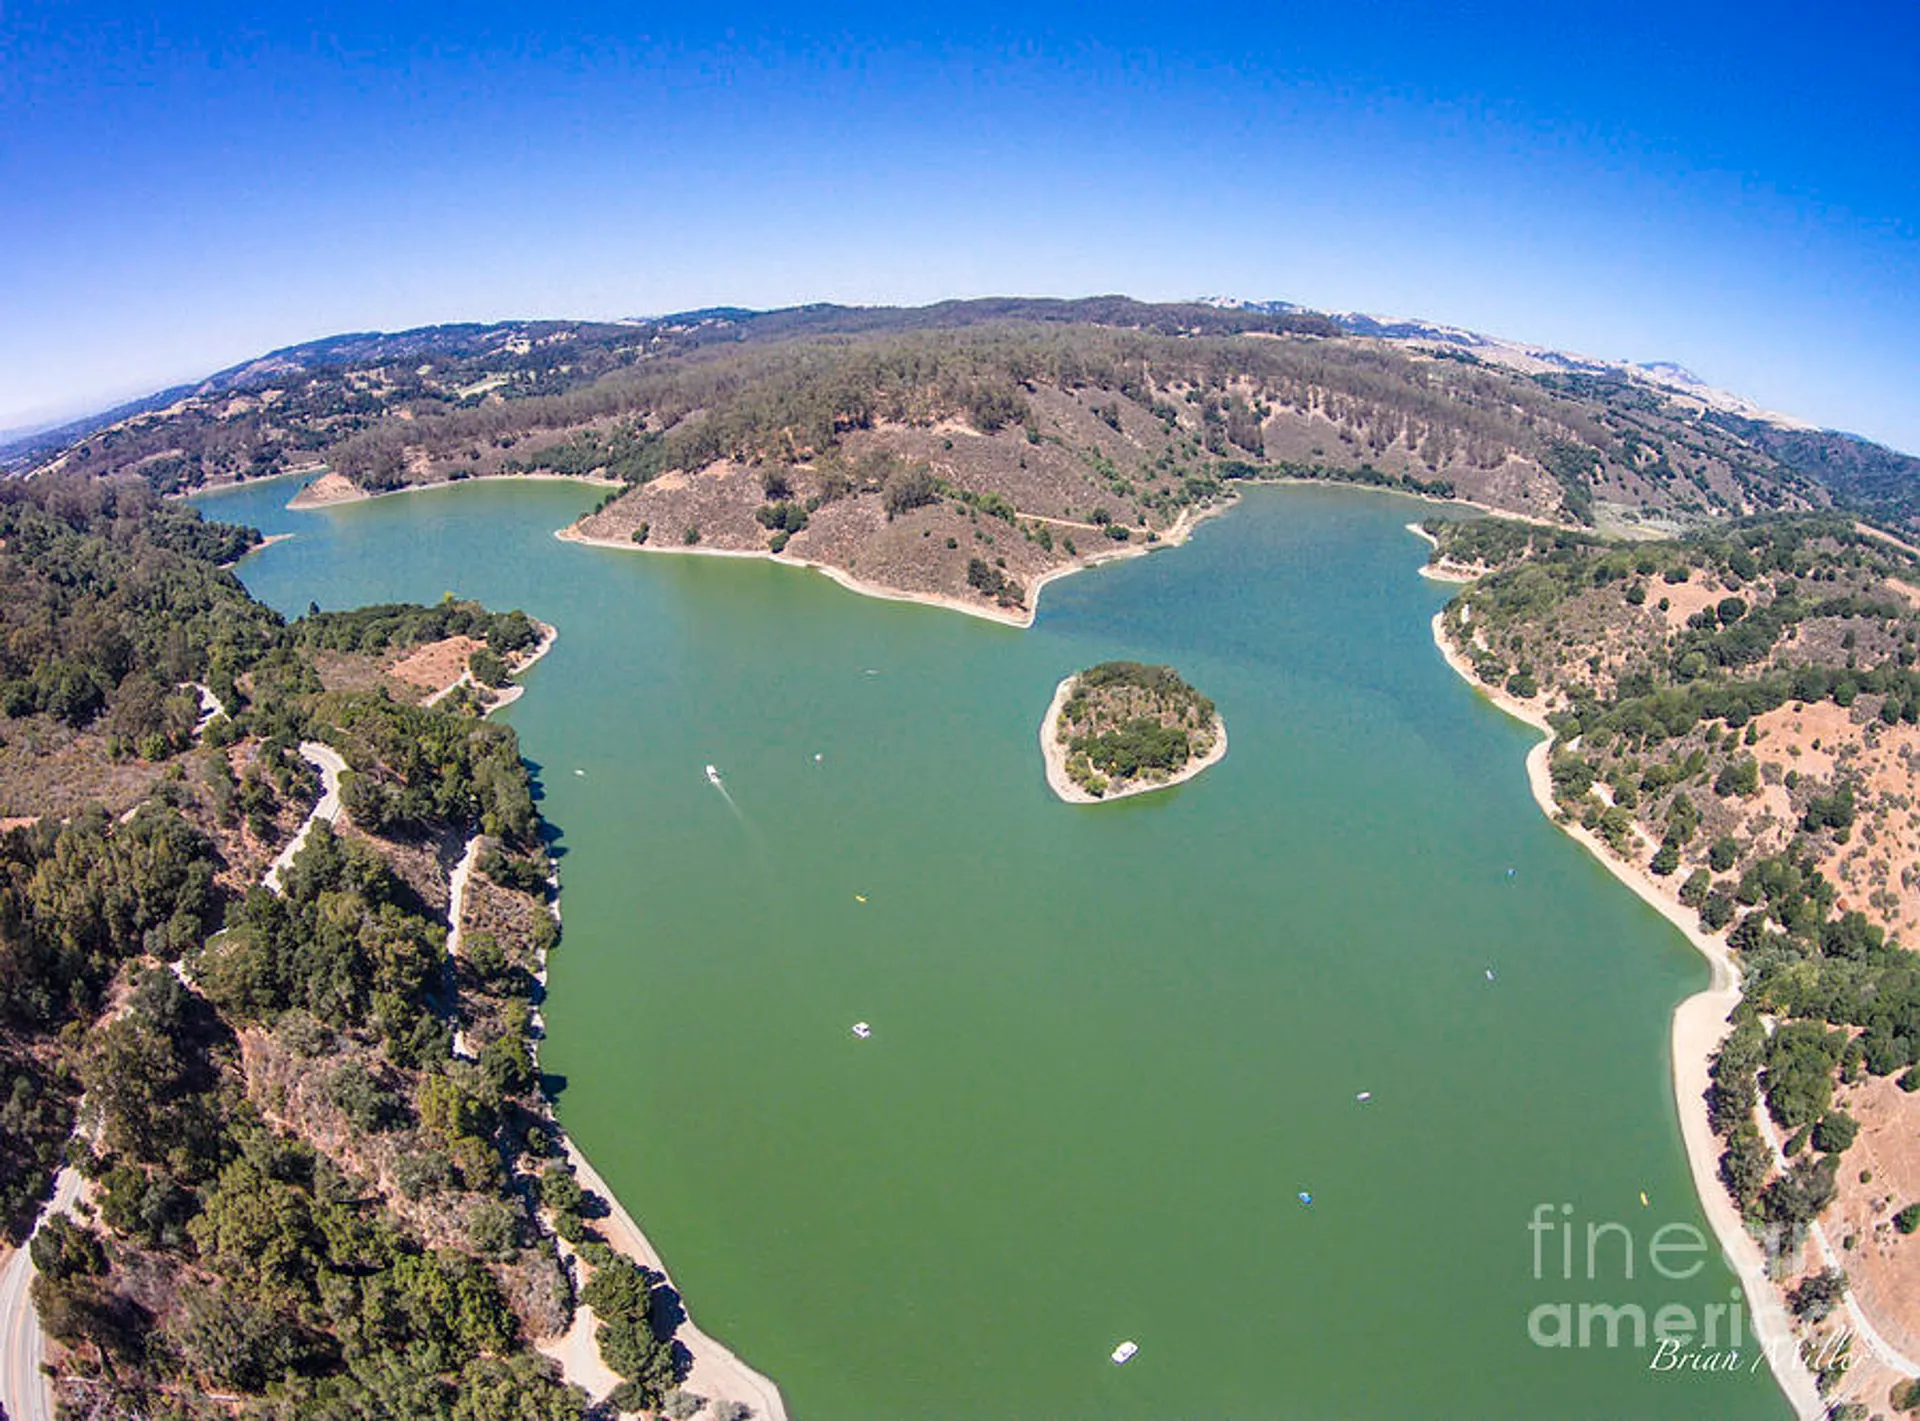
(1733,187)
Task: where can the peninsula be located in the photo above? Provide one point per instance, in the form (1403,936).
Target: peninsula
(1122,728)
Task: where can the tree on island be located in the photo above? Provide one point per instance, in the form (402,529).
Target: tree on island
(1123,723)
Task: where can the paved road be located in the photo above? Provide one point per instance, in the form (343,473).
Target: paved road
(327,761)
(23,1387)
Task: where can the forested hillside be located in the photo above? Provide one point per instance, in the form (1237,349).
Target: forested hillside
(321,1178)
(810,432)
(1737,714)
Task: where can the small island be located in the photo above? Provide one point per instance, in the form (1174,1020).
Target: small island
(1123,728)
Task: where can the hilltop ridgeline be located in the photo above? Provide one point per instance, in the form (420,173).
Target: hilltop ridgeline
(1122,728)
(970,449)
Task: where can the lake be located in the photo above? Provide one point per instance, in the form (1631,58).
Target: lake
(1113,1046)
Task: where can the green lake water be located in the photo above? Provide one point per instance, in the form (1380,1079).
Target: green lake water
(1111,1045)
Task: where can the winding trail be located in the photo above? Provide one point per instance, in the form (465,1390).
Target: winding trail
(456,909)
(1883,1351)
(327,761)
(25,1394)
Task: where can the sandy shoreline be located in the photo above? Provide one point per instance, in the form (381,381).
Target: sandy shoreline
(717,1373)
(1055,757)
(330,490)
(1178,534)
(1700,1024)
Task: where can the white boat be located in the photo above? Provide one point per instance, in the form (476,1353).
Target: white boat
(713,774)
(862,1030)
(1364,1095)
(1124,1352)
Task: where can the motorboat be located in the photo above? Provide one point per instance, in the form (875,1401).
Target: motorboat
(862,1030)
(1124,1352)
(713,775)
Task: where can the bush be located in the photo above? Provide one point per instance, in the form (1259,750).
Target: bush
(640,533)
(908,487)
(1739,777)
(559,1190)
(356,1094)
(1818,1294)
(1836,1131)
(487,669)
(691,535)
(1908,1219)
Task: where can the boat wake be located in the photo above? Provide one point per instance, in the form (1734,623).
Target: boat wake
(713,778)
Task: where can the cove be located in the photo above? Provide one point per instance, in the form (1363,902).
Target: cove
(1112,1044)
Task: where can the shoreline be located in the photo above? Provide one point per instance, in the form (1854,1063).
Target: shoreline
(305,501)
(1175,536)
(503,696)
(1700,1024)
(1067,791)
(715,1370)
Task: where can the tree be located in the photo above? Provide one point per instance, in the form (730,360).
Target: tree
(1818,1294)
(1835,1132)
(487,668)
(1745,1165)
(907,487)
(1694,891)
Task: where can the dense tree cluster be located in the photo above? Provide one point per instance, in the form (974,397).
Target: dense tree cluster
(301,1202)
(400,624)
(1799,614)
(1124,721)
(114,599)
(412,767)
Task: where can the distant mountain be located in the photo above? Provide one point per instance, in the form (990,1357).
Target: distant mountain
(1533,359)
(1254,385)
(1859,472)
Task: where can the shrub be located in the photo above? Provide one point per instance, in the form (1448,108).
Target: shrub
(1835,1132)
(906,488)
(1908,1219)
(1818,1294)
